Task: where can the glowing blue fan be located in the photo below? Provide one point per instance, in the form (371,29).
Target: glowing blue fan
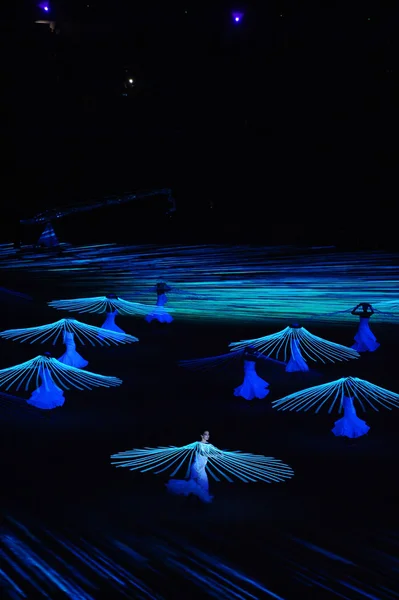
(332,395)
(56,331)
(226,464)
(54,375)
(27,374)
(110,304)
(66,330)
(101,304)
(296,345)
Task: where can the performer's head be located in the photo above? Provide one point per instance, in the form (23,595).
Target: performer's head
(47,354)
(205,436)
(111,297)
(295,326)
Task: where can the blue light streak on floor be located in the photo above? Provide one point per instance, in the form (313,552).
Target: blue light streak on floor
(239,283)
(36,561)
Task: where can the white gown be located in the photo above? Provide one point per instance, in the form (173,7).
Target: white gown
(110,324)
(253,386)
(161,314)
(365,338)
(71,357)
(296,362)
(197,484)
(350,425)
(48,395)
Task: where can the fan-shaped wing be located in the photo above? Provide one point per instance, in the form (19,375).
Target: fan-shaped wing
(330,395)
(158,460)
(97,305)
(28,374)
(134,308)
(246,467)
(311,346)
(319,349)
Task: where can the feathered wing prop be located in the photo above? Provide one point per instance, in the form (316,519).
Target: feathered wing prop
(331,395)
(29,373)
(226,464)
(54,331)
(200,364)
(312,347)
(101,304)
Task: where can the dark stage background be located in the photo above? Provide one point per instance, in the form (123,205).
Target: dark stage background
(281,128)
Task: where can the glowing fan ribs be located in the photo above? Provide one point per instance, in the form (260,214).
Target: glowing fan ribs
(29,372)
(334,392)
(225,464)
(313,347)
(82,331)
(101,304)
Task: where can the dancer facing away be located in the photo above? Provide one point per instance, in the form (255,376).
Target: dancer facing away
(350,425)
(55,376)
(295,341)
(364,338)
(253,386)
(160,314)
(341,395)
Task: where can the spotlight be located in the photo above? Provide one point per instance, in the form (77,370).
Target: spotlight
(130,82)
(237,16)
(45,6)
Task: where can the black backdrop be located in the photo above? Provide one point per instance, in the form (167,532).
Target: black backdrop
(281,127)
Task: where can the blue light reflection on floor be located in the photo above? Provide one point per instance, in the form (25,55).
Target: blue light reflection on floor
(43,564)
(240,283)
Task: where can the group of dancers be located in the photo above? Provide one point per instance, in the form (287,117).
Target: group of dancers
(292,347)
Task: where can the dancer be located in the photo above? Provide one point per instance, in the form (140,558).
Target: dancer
(253,386)
(68,328)
(350,425)
(294,341)
(111,304)
(364,338)
(54,375)
(200,459)
(70,356)
(341,394)
(160,314)
(197,483)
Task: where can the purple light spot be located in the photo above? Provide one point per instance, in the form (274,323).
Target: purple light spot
(44,6)
(237,16)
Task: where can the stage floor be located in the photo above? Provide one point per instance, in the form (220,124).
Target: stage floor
(73,526)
